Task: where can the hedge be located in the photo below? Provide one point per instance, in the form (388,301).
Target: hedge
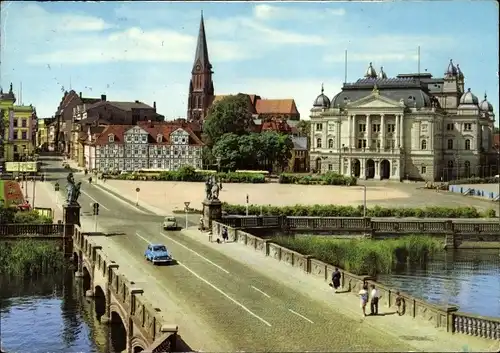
(185,174)
(487,180)
(329,178)
(357,211)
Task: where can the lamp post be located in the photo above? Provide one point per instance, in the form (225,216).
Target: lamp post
(247,204)
(218,163)
(137,196)
(34,191)
(186,209)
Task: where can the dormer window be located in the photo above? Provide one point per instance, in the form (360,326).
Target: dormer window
(111,138)
(159,138)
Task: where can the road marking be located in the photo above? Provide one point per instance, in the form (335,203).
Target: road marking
(215,288)
(140,236)
(299,315)
(261,292)
(194,252)
(90,197)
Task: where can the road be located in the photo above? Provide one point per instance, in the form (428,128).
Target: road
(242,308)
(222,302)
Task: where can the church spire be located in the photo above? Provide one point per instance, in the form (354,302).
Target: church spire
(201,56)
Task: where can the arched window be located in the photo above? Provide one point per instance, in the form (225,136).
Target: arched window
(330,143)
(467,144)
(450,144)
(450,164)
(318,142)
(424,145)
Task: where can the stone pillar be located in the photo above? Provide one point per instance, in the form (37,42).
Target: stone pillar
(377,170)
(382,132)
(212,211)
(71,217)
(354,132)
(431,136)
(402,131)
(368,132)
(396,142)
(349,131)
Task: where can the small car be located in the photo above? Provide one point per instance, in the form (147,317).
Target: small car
(158,253)
(169,222)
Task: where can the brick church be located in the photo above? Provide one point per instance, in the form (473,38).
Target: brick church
(269,114)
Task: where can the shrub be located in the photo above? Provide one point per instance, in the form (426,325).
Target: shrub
(487,180)
(188,173)
(363,257)
(329,178)
(352,211)
(30,257)
(31,217)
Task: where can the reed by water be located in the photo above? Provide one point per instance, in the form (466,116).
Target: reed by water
(29,257)
(370,257)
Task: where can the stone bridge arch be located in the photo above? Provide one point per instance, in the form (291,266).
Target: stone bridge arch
(138,344)
(119,341)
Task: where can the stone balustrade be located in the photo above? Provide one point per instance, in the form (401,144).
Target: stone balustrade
(445,318)
(31,230)
(456,233)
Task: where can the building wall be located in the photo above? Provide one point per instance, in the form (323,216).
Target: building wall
(18,138)
(138,153)
(423,144)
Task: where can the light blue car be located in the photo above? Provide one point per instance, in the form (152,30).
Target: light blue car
(158,253)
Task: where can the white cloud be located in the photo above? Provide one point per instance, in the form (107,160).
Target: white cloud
(387,48)
(367,57)
(273,35)
(267,12)
(137,45)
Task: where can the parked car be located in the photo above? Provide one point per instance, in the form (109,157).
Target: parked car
(169,222)
(158,253)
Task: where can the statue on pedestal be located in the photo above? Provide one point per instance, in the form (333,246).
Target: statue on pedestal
(73,190)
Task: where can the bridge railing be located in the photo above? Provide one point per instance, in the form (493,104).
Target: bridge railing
(360,224)
(476,325)
(31,229)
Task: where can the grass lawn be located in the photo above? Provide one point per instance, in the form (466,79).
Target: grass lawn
(2,196)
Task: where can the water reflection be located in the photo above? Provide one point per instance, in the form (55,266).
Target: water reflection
(59,317)
(469,279)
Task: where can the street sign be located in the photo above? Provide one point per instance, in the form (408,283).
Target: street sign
(186,203)
(56,187)
(137,189)
(95,209)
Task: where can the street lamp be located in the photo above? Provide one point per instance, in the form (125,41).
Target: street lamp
(364,198)
(218,163)
(186,209)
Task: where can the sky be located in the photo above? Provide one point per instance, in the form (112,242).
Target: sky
(145,50)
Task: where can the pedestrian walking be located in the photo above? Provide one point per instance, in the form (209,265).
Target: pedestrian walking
(374,298)
(363,296)
(336,275)
(225,236)
(400,304)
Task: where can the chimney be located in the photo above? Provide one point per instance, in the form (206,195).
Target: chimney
(103,97)
(150,123)
(137,101)
(154,105)
(80,94)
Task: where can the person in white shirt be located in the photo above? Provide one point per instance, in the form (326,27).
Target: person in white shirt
(374,297)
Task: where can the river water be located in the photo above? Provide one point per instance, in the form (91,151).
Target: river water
(49,314)
(469,279)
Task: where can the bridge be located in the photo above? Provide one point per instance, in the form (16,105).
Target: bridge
(220,296)
(119,301)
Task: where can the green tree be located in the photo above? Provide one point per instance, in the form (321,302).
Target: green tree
(227,149)
(229,115)
(496,130)
(304,127)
